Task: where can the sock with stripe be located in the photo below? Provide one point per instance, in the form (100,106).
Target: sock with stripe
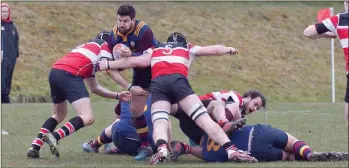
(49,125)
(301,150)
(101,139)
(68,128)
(142,130)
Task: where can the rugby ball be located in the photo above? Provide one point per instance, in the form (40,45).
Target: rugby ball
(117,50)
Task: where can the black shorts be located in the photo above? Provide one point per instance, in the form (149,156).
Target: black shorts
(142,77)
(66,86)
(188,126)
(172,88)
(268,143)
(346,98)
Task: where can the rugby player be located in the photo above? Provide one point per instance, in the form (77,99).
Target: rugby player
(138,37)
(331,28)
(263,142)
(66,80)
(170,63)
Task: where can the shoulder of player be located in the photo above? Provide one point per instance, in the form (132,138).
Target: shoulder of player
(140,28)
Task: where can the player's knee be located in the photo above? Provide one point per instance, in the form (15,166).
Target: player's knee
(137,109)
(59,117)
(197,111)
(159,114)
(87,119)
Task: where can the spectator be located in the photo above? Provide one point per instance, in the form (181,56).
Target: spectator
(9,51)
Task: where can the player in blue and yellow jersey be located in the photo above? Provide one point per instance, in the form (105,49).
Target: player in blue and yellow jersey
(138,36)
(263,142)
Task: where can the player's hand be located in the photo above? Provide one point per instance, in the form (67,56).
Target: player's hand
(125,96)
(138,91)
(233,51)
(242,157)
(331,35)
(124,52)
(102,65)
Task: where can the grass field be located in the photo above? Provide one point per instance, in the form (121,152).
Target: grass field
(274,56)
(320,125)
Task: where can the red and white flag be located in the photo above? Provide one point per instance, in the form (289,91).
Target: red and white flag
(323,14)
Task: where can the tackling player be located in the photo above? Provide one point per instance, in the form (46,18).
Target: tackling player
(66,80)
(170,63)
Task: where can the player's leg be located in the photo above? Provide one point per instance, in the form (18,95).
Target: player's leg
(193,107)
(77,94)
(160,111)
(125,138)
(303,152)
(137,109)
(104,138)
(59,113)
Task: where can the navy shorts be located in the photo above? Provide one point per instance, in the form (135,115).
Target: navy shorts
(66,86)
(346,98)
(142,77)
(188,126)
(268,143)
(172,88)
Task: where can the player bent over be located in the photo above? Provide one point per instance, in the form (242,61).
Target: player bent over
(66,81)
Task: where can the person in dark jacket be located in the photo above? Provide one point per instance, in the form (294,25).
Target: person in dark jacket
(9,51)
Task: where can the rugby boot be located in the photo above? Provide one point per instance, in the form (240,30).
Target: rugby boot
(160,156)
(178,149)
(240,156)
(86,147)
(32,153)
(52,142)
(143,153)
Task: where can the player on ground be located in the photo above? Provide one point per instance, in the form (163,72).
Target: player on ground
(331,28)
(170,63)
(66,80)
(236,107)
(122,109)
(264,142)
(138,37)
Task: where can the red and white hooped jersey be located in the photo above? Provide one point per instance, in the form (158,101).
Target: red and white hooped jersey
(82,61)
(170,58)
(339,24)
(223,96)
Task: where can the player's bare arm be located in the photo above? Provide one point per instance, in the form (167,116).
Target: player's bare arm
(142,61)
(312,33)
(213,50)
(120,79)
(101,91)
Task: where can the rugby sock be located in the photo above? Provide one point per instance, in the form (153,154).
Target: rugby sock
(142,130)
(160,144)
(68,128)
(49,125)
(301,150)
(101,139)
(229,147)
(222,122)
(186,147)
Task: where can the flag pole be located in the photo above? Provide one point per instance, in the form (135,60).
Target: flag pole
(332,63)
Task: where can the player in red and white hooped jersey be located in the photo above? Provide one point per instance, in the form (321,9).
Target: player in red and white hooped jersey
(238,106)
(335,26)
(66,81)
(170,64)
